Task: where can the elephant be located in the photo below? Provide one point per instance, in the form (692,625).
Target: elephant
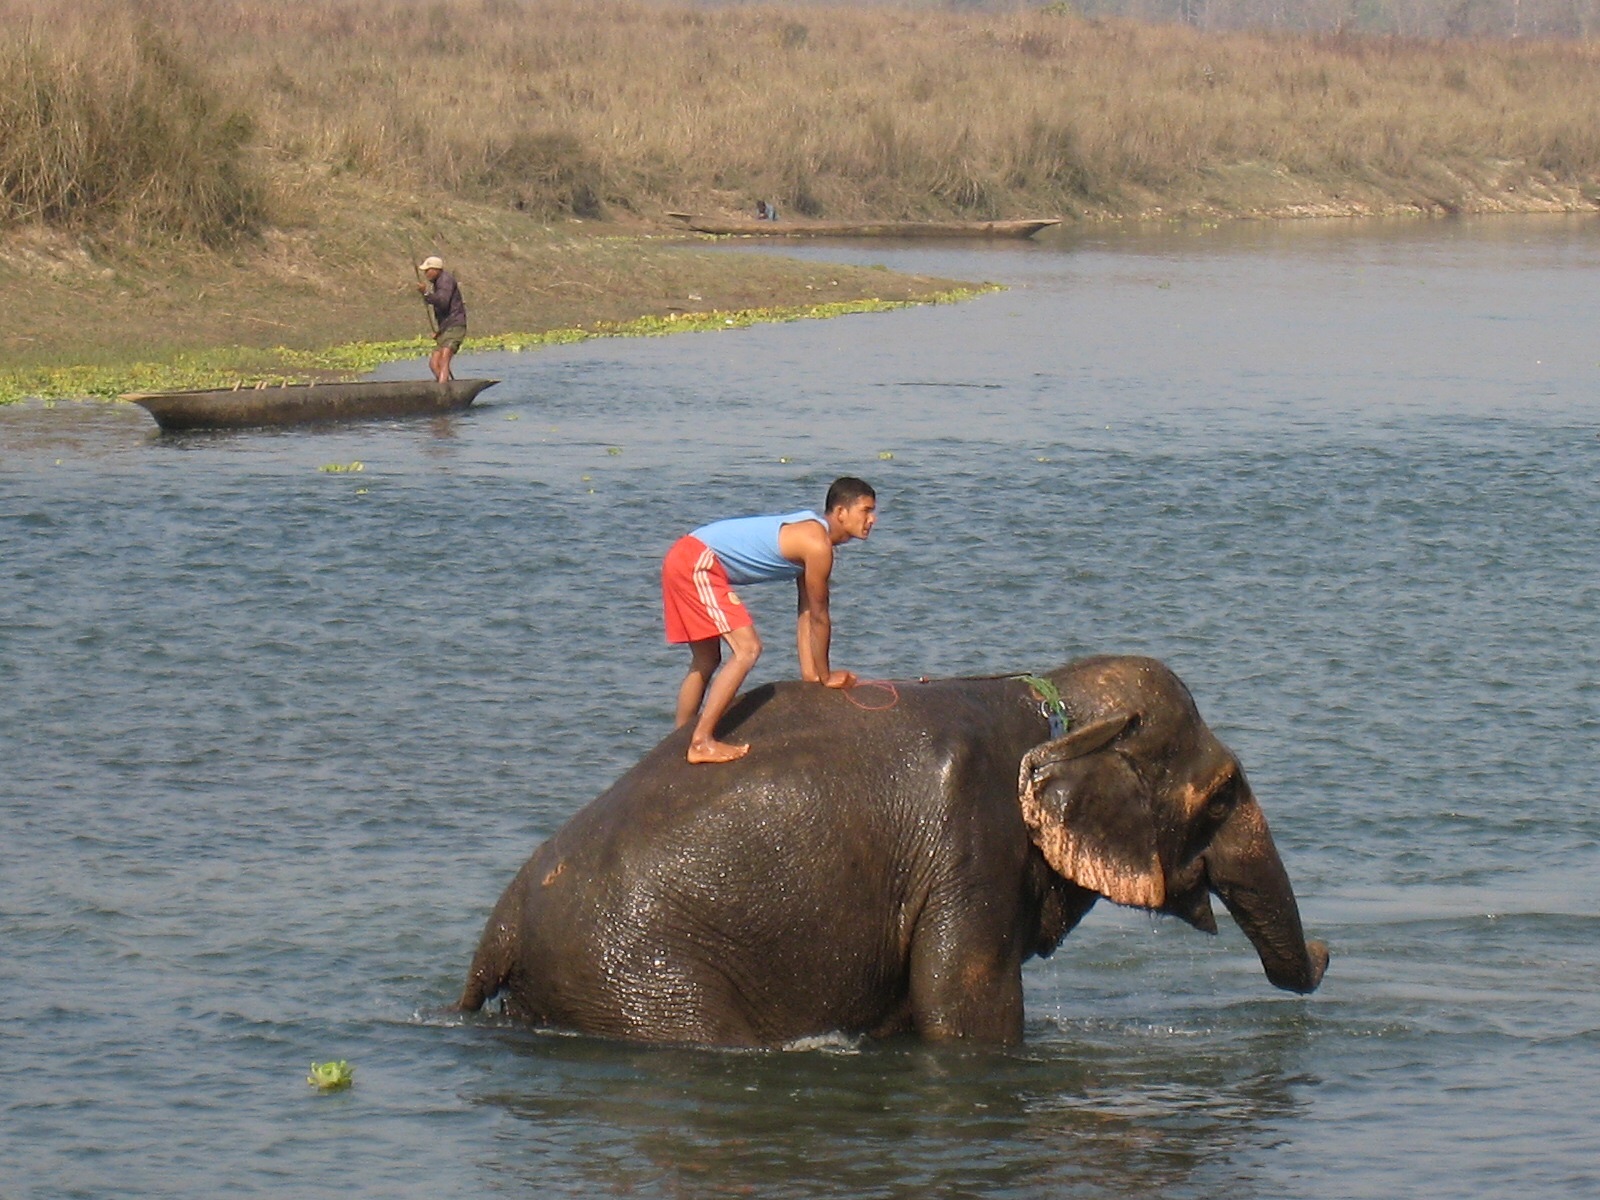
(883,861)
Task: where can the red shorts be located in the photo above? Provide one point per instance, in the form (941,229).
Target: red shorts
(695,596)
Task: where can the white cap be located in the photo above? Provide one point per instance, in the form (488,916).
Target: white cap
(432,263)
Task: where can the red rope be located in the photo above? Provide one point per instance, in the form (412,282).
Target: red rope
(894,694)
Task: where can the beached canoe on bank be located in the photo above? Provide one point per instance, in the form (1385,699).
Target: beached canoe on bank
(306,403)
(883,229)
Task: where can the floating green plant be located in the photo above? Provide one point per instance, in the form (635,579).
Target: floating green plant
(331,1076)
(342,468)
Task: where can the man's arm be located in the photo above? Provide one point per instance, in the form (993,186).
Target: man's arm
(813,625)
(439,295)
(802,632)
(813,629)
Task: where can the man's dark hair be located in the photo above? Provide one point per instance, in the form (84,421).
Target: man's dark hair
(847,490)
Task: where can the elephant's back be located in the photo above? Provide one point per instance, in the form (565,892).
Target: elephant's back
(804,738)
(824,765)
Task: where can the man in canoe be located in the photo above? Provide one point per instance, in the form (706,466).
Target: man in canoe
(440,292)
(702,610)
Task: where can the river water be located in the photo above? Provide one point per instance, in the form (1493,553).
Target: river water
(275,737)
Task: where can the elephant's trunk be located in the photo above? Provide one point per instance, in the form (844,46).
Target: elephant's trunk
(1243,867)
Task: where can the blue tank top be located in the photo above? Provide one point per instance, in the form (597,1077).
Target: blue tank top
(748,546)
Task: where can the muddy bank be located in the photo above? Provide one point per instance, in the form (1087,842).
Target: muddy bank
(337,294)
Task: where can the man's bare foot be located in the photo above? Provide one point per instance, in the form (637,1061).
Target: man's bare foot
(710,751)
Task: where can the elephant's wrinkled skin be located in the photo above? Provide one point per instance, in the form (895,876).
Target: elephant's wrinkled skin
(875,871)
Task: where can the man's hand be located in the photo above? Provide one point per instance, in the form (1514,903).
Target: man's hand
(840,679)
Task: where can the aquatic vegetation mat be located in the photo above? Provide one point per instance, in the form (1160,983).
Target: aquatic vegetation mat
(232,366)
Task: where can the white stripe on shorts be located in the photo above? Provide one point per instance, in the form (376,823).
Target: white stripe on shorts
(707,594)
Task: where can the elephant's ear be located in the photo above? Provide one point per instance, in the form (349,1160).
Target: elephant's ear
(1091,816)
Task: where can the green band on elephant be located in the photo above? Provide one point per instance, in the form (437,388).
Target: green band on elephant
(1050,702)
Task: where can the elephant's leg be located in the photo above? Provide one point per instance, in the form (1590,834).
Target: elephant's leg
(495,958)
(966,982)
(490,966)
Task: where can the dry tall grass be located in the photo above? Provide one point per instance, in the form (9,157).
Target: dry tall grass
(103,122)
(586,106)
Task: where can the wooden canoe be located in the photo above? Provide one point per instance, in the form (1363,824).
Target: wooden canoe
(306,403)
(875,229)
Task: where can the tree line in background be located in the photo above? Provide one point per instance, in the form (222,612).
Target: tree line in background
(1510,19)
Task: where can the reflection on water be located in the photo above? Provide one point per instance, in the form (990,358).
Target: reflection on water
(895,1119)
(276,737)
(33,431)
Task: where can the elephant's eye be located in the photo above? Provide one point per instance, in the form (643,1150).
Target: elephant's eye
(1222,800)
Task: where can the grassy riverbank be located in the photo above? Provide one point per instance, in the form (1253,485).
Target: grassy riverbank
(335,293)
(182,175)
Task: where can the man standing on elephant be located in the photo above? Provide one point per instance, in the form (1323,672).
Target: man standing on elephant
(703,611)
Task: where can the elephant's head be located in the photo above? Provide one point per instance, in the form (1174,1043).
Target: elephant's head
(1142,804)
